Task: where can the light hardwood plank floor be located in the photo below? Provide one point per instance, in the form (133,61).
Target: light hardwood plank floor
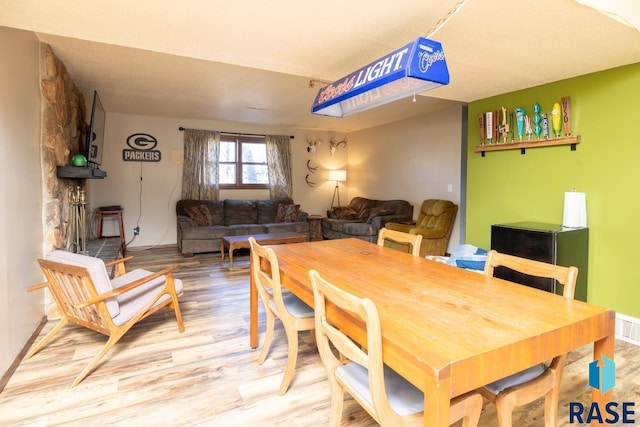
(208,375)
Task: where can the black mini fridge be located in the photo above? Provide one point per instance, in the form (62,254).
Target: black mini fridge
(550,243)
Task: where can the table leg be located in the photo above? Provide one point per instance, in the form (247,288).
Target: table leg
(231,249)
(603,347)
(253,308)
(436,402)
(222,249)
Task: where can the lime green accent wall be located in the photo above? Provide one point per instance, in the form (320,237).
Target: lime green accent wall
(506,186)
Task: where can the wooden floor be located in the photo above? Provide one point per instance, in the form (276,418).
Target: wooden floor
(208,375)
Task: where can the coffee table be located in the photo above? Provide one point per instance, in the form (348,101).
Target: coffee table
(237,242)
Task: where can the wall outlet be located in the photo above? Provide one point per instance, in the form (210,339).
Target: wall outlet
(136,231)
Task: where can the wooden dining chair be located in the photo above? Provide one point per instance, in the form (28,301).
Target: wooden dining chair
(398,240)
(86,296)
(294,314)
(389,398)
(541,380)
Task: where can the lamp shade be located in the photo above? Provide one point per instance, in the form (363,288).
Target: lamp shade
(338,175)
(414,68)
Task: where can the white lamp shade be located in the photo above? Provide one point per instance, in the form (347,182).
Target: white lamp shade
(338,175)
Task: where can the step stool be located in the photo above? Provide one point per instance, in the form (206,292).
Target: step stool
(101,214)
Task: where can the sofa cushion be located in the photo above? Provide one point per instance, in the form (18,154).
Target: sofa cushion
(216,208)
(287,212)
(246,229)
(343,212)
(439,214)
(378,212)
(363,206)
(200,215)
(205,233)
(240,212)
(294,227)
(267,209)
(334,224)
(359,229)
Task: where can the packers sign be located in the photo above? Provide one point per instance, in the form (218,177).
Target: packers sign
(141,148)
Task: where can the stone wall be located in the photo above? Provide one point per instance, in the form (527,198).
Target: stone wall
(63,130)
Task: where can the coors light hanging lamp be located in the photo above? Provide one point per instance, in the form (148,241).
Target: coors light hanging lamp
(414,68)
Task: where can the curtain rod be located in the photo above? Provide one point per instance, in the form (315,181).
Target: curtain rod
(239,134)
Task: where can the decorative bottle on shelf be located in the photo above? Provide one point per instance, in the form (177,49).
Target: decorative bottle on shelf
(537,129)
(556,119)
(545,126)
(520,122)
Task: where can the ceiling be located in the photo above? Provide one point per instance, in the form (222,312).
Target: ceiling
(228,61)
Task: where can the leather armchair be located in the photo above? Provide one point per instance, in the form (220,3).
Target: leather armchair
(434,224)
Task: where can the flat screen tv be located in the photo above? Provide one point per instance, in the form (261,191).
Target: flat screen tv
(95,133)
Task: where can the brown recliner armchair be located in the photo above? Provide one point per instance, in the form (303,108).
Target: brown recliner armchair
(434,223)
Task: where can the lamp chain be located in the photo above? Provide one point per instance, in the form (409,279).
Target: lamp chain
(445,18)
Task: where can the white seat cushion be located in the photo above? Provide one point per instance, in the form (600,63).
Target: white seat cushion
(133,301)
(295,306)
(97,272)
(516,379)
(403,397)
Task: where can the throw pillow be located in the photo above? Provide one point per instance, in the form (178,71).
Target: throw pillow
(378,212)
(200,215)
(287,212)
(345,212)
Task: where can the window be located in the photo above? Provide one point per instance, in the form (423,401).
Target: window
(242,162)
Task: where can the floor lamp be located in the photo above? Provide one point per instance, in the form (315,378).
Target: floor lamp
(337,176)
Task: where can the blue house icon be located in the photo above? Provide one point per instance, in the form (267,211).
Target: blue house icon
(602,377)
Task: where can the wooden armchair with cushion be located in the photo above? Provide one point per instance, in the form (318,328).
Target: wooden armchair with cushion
(85,296)
(434,224)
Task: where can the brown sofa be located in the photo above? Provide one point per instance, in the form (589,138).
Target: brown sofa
(434,223)
(231,218)
(363,218)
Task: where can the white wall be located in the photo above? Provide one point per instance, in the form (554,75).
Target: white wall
(413,160)
(152,206)
(21,223)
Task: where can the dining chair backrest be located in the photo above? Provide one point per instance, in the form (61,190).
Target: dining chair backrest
(266,272)
(398,238)
(566,276)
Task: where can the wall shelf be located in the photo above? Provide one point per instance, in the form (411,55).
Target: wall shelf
(76,172)
(551,142)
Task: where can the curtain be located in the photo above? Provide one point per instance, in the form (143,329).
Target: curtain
(279,166)
(200,169)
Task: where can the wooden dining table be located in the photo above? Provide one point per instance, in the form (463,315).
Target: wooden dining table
(445,329)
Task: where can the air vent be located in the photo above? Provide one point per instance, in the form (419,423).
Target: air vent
(628,329)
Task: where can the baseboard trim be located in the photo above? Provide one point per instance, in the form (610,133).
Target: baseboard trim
(144,248)
(628,329)
(16,362)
